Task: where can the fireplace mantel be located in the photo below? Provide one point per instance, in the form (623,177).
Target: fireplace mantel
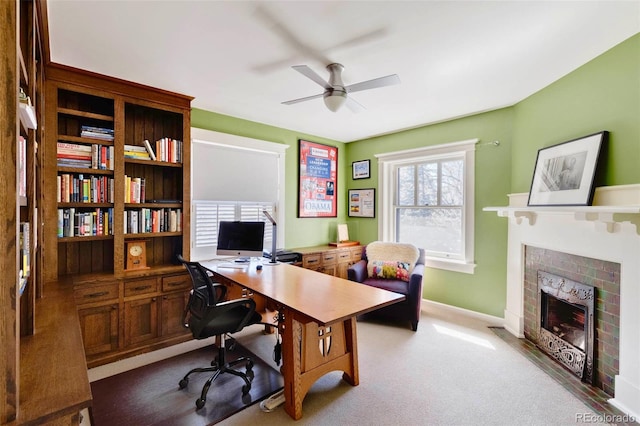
(578,230)
(604,216)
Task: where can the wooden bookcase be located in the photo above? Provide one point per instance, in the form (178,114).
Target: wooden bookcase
(77,98)
(21,62)
(122,312)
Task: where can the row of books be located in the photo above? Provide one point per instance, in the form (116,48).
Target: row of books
(152,220)
(96,133)
(25,254)
(85,156)
(84,189)
(134,189)
(75,223)
(166,149)
(169,150)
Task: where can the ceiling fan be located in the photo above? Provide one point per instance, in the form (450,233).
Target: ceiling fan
(336,94)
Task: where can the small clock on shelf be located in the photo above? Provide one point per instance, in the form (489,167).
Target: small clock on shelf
(136,255)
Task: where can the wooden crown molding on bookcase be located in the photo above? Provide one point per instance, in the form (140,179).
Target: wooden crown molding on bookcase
(115,85)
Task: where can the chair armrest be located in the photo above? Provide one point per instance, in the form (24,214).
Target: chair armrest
(358,271)
(415,283)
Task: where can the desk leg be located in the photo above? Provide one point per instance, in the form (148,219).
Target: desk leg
(310,351)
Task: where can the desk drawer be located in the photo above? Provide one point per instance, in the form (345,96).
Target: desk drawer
(356,253)
(344,256)
(176,282)
(330,257)
(311,261)
(96,293)
(137,287)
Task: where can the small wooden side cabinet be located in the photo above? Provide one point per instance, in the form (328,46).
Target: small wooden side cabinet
(330,260)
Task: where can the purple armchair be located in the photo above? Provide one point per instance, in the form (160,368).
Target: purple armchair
(402,274)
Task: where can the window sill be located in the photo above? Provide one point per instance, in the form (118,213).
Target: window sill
(450,265)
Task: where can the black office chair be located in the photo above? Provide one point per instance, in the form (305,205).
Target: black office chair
(208,314)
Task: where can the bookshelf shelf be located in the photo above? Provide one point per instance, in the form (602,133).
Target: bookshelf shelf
(153,163)
(143,235)
(79,139)
(86,171)
(85,114)
(85,238)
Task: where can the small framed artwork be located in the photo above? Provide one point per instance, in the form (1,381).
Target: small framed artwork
(360,169)
(317,179)
(362,202)
(565,174)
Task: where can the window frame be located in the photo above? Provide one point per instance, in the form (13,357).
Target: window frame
(387,165)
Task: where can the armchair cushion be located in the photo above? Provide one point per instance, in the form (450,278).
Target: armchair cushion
(391,260)
(389,270)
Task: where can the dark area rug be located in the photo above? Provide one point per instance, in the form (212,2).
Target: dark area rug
(150,395)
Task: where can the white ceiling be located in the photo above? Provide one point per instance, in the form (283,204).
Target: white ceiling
(454,58)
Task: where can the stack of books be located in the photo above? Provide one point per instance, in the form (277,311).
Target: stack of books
(96,133)
(136,152)
(85,156)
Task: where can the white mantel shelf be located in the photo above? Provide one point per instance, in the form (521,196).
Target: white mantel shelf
(605,215)
(612,207)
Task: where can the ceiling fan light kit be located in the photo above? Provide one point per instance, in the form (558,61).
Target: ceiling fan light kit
(335,99)
(335,92)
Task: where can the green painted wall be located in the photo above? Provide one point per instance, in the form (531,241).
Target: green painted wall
(484,291)
(298,232)
(603,94)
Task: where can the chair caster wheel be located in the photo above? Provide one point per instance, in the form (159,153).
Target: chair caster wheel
(246,389)
(200,403)
(249,366)
(183,383)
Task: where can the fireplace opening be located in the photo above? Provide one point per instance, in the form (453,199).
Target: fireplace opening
(565,320)
(566,323)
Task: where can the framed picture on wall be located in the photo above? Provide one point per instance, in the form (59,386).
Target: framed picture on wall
(360,169)
(564,174)
(362,202)
(317,179)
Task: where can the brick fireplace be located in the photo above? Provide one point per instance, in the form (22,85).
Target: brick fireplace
(604,278)
(597,245)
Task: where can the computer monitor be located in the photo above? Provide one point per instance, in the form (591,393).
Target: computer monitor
(241,239)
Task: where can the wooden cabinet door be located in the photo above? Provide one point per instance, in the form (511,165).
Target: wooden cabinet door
(173,305)
(140,320)
(344,261)
(99,326)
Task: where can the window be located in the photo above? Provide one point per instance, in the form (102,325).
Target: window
(234,178)
(427,200)
(208,214)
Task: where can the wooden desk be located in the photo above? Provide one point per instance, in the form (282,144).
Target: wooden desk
(319,331)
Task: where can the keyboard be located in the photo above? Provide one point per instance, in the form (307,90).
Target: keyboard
(232,265)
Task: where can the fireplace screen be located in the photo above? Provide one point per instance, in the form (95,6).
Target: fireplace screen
(566,318)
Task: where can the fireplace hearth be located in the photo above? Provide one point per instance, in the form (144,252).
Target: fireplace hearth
(566,319)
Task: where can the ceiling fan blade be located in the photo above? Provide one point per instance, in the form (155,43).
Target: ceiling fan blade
(309,73)
(354,106)
(300,47)
(388,80)
(308,98)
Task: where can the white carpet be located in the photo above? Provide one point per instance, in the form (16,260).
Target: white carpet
(452,371)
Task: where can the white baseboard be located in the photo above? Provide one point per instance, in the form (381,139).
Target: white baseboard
(431,306)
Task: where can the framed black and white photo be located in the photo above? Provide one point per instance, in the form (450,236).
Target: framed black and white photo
(564,174)
(362,202)
(361,170)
